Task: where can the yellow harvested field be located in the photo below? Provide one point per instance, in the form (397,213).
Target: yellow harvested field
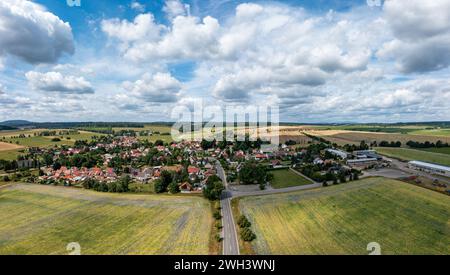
(37,219)
(342,137)
(344,219)
(9,147)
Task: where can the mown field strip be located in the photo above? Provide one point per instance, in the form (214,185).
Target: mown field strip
(43,220)
(412,154)
(402,218)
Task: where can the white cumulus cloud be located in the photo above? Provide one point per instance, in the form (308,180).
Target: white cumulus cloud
(57,82)
(30,32)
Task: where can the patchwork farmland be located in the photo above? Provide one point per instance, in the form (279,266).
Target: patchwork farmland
(342,137)
(343,219)
(43,220)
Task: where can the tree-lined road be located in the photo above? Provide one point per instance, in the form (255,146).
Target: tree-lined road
(230,238)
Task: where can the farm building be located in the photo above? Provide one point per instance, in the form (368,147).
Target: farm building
(362,162)
(364,154)
(430,167)
(338,153)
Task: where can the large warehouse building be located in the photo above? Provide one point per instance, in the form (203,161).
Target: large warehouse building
(430,168)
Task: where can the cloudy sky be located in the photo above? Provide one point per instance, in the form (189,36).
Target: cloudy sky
(136,60)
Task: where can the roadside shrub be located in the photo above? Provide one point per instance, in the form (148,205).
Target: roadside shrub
(219,225)
(217,215)
(219,238)
(217,205)
(243,222)
(247,235)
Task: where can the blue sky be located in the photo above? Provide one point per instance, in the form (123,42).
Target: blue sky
(135,60)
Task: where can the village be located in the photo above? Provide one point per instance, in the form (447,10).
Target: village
(108,159)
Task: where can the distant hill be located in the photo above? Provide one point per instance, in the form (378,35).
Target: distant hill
(15,123)
(6,128)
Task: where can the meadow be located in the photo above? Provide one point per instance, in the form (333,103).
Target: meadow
(444,150)
(412,154)
(286,178)
(344,219)
(37,219)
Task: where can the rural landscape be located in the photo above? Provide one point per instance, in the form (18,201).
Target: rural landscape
(251,128)
(132,190)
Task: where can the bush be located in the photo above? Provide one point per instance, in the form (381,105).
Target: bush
(56,139)
(247,235)
(243,222)
(217,215)
(174,188)
(6,179)
(219,225)
(219,238)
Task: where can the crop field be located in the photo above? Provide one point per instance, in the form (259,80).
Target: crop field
(432,132)
(154,137)
(30,140)
(342,137)
(344,219)
(8,146)
(411,154)
(11,154)
(287,178)
(444,150)
(38,219)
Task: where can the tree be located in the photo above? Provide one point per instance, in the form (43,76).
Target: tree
(174,188)
(159,143)
(124,184)
(159,187)
(56,166)
(163,182)
(254,173)
(243,222)
(213,188)
(247,234)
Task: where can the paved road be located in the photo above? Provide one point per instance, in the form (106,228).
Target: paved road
(230,240)
(403,166)
(276,191)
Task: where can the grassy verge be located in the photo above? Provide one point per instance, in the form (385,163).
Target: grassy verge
(215,246)
(245,248)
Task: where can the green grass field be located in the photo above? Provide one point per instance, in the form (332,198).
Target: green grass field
(287,178)
(445,150)
(411,154)
(343,219)
(38,219)
(11,154)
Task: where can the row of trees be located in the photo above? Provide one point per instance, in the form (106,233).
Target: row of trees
(245,230)
(385,143)
(120,186)
(427,144)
